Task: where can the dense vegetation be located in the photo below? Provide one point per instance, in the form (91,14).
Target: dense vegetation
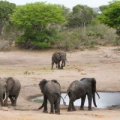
(40,25)
(111,16)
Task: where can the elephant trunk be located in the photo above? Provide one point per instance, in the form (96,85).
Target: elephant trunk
(94,101)
(1,99)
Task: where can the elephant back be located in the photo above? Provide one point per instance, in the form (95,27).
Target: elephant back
(73,86)
(52,87)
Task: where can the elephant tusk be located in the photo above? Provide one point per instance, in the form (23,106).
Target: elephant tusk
(5,97)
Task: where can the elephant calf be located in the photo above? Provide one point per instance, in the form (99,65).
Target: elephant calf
(57,58)
(9,88)
(51,91)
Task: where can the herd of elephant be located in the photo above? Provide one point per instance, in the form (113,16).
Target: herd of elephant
(51,89)
(77,89)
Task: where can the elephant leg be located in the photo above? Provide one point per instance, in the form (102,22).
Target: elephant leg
(52,108)
(11,99)
(14,100)
(52,65)
(70,105)
(56,65)
(89,101)
(45,105)
(82,103)
(57,104)
(2,103)
(73,107)
(59,65)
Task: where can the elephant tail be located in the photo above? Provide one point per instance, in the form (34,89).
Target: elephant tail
(41,106)
(98,95)
(66,95)
(63,101)
(94,90)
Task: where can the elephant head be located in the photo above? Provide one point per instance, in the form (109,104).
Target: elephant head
(63,59)
(42,85)
(5,85)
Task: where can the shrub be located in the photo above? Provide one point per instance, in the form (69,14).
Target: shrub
(90,36)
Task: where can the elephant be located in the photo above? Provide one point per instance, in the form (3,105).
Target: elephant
(9,88)
(51,91)
(79,89)
(58,57)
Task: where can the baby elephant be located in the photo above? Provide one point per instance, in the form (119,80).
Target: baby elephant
(58,57)
(9,88)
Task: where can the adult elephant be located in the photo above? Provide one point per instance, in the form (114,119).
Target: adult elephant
(79,89)
(9,88)
(51,91)
(58,57)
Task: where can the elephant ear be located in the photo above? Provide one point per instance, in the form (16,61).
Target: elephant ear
(55,81)
(10,83)
(42,84)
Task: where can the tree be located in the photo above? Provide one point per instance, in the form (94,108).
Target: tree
(6,8)
(34,20)
(103,7)
(111,16)
(81,14)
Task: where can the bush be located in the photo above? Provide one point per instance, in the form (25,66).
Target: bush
(70,40)
(90,36)
(102,33)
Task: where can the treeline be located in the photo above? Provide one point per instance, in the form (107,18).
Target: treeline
(40,25)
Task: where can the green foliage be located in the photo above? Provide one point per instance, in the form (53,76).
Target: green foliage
(6,8)
(81,14)
(33,19)
(103,7)
(102,33)
(71,39)
(111,16)
(92,43)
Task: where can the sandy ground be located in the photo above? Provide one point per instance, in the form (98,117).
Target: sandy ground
(32,66)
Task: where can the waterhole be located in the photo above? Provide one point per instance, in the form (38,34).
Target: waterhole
(107,99)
